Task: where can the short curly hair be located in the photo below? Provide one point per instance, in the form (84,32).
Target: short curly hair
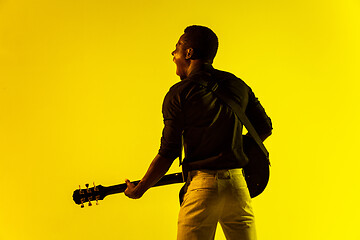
(203,40)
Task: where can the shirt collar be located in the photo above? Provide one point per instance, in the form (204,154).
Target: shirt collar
(206,68)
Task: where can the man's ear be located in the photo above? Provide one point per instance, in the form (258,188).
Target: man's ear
(189,53)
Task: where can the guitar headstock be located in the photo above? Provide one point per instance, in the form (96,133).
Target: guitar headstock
(96,193)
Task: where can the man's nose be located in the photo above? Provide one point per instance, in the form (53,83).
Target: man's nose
(172,53)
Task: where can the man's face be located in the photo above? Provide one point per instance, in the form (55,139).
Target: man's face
(180,60)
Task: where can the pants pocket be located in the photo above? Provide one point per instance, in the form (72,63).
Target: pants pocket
(202,182)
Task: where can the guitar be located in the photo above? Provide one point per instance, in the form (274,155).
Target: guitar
(256,175)
(96,193)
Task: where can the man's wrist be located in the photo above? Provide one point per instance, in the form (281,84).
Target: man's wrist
(141,188)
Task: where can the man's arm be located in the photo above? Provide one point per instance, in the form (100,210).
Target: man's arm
(258,117)
(157,169)
(170,148)
(262,136)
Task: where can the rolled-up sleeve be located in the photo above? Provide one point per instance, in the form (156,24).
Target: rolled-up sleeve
(171,140)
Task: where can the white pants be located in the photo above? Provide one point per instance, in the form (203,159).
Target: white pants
(212,197)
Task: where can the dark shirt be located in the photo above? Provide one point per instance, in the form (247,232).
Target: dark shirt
(212,134)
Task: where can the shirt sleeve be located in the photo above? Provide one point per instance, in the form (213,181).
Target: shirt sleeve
(171,140)
(257,116)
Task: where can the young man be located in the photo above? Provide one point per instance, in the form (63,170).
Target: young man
(211,134)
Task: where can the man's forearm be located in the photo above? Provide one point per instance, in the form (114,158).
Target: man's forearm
(157,169)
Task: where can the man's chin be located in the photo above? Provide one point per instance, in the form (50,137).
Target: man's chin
(180,74)
(182,77)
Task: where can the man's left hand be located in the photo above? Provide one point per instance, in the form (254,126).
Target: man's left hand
(132,191)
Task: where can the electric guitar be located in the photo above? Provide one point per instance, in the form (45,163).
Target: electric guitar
(256,176)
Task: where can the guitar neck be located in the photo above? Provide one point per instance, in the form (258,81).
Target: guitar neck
(165,180)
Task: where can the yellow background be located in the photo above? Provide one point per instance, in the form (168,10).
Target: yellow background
(81,88)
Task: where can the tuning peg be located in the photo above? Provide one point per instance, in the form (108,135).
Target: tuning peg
(90,199)
(82,202)
(95,188)
(87,188)
(80,190)
(97,199)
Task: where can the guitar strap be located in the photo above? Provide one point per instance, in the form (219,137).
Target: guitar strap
(213,86)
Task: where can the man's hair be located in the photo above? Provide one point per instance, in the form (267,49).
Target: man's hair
(203,40)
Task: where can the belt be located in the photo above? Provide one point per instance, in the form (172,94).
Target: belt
(219,174)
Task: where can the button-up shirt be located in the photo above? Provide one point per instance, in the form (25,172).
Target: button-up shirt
(208,129)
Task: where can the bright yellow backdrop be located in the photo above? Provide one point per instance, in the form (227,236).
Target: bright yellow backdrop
(81,88)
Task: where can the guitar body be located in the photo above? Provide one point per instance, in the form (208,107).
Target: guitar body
(257,170)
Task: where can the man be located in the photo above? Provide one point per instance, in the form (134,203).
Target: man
(211,134)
